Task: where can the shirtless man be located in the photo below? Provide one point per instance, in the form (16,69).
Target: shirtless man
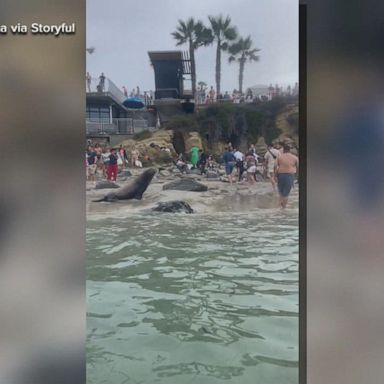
(285,169)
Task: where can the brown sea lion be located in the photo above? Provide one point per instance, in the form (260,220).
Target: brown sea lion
(133,189)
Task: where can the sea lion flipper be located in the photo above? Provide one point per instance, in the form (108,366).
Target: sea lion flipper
(138,196)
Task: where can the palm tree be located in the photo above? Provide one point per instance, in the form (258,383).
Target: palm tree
(242,52)
(195,34)
(223,33)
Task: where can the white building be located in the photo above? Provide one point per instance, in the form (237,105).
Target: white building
(259,91)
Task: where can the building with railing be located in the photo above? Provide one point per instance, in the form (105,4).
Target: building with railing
(106,114)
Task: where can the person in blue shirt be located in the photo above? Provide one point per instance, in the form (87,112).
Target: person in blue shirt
(229,162)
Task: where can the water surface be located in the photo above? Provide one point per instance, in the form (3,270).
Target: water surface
(203,298)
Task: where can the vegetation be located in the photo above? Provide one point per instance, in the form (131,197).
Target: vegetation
(243,52)
(142,135)
(222,33)
(293,120)
(239,123)
(195,34)
(185,123)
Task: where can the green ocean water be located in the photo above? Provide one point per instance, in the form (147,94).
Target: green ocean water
(203,298)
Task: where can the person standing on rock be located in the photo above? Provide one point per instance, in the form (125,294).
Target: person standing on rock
(270,158)
(229,161)
(194,156)
(285,169)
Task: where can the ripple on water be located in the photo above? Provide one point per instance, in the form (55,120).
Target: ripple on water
(208,298)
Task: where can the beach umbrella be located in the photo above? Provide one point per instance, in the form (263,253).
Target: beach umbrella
(133,103)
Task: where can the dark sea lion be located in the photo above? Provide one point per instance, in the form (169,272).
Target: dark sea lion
(133,189)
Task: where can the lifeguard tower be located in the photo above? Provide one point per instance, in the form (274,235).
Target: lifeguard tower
(173,71)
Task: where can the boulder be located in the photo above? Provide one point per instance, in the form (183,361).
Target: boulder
(175,206)
(194,171)
(165,173)
(105,184)
(185,185)
(261,146)
(212,175)
(192,139)
(150,147)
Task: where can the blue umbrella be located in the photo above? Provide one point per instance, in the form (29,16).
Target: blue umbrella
(134,103)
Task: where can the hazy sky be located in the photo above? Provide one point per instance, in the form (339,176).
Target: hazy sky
(123,31)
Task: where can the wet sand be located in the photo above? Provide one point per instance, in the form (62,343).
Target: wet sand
(220,197)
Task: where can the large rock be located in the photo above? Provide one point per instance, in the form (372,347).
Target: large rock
(149,148)
(175,206)
(165,173)
(105,184)
(192,139)
(194,171)
(212,175)
(261,146)
(185,185)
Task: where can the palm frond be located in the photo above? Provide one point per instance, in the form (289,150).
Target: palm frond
(230,33)
(226,22)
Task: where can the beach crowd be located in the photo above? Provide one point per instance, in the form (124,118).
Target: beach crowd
(278,164)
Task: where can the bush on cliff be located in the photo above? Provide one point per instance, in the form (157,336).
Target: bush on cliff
(142,135)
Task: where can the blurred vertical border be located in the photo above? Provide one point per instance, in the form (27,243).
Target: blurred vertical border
(303,194)
(345,190)
(42,208)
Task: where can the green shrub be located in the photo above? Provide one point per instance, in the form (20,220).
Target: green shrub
(142,135)
(185,123)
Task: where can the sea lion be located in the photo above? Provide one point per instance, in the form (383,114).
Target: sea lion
(133,189)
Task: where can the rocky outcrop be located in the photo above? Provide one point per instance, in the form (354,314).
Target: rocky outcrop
(149,148)
(192,139)
(261,146)
(185,185)
(289,132)
(175,206)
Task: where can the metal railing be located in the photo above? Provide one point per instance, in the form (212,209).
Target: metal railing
(117,127)
(97,85)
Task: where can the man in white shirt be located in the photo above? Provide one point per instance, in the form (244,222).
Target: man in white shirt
(239,156)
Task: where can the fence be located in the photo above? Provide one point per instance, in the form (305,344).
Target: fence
(96,85)
(117,127)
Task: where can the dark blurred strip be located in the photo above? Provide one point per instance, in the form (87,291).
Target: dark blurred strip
(345,192)
(42,210)
(303,194)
